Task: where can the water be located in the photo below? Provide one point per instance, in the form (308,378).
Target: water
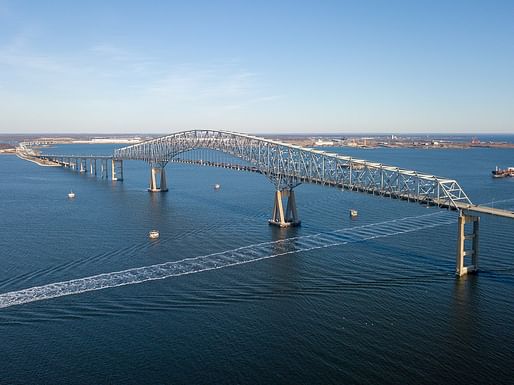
(222,297)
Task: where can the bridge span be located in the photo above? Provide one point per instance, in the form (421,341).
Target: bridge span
(287,166)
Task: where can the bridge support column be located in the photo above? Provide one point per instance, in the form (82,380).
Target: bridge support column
(463,249)
(92,166)
(103,169)
(290,216)
(117,169)
(154,171)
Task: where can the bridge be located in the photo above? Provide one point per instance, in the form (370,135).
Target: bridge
(287,166)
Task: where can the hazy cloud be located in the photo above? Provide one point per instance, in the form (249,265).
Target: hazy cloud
(220,83)
(107,67)
(114,82)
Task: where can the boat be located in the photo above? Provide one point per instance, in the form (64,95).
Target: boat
(71,194)
(353,213)
(154,234)
(499,173)
(217,186)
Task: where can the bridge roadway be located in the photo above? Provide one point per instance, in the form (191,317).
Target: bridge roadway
(287,166)
(477,209)
(86,163)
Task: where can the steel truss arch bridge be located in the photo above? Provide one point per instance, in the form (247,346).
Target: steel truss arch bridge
(288,165)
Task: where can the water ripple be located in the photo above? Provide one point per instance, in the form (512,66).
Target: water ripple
(238,256)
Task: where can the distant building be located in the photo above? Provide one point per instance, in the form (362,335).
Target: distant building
(135,139)
(321,142)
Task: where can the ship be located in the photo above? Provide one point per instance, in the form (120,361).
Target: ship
(499,173)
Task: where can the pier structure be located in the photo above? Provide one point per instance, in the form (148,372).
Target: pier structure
(92,167)
(288,166)
(158,173)
(117,169)
(467,243)
(110,168)
(289,216)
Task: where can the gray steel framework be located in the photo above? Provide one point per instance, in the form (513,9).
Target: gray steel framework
(288,165)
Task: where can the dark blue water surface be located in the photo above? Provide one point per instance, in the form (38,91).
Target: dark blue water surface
(386,310)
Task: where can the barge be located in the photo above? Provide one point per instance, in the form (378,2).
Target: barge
(499,173)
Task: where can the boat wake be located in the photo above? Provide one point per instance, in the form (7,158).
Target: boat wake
(239,256)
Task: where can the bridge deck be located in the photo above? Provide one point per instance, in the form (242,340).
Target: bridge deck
(52,156)
(486,210)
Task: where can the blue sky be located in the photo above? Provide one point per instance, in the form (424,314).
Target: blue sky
(257,66)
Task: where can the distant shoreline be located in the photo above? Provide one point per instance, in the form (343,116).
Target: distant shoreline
(458,141)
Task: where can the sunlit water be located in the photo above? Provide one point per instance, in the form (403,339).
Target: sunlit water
(221,297)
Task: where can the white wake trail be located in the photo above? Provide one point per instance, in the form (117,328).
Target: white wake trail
(242,255)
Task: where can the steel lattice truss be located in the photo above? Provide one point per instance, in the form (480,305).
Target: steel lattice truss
(288,165)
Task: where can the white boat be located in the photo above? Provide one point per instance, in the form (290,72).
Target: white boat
(71,194)
(154,234)
(217,186)
(353,213)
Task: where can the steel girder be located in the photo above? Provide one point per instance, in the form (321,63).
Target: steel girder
(288,165)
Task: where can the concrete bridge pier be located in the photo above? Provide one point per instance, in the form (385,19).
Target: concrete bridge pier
(286,218)
(467,244)
(155,171)
(117,169)
(92,166)
(103,169)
